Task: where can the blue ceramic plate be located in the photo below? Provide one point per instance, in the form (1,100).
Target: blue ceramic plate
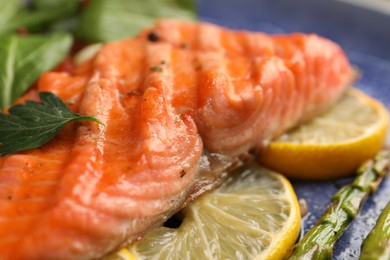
(363,32)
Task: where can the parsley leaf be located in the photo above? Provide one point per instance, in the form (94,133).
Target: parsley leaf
(33,124)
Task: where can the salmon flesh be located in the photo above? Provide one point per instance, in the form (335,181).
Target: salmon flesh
(183,104)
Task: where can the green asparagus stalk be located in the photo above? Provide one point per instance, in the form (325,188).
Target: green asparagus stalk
(377,243)
(319,241)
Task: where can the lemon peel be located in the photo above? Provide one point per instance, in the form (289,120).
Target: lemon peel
(334,144)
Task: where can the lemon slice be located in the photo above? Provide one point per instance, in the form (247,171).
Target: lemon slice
(334,144)
(254,214)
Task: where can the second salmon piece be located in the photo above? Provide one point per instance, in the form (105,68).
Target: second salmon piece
(273,83)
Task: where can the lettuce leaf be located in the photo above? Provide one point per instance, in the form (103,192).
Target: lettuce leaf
(24,58)
(107,20)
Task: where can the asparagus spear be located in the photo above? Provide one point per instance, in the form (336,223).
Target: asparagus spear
(377,243)
(319,241)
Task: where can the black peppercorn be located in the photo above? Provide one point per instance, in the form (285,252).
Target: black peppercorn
(153,37)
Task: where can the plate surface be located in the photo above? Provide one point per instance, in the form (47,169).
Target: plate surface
(365,36)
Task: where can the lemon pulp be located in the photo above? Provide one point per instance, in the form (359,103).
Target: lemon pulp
(334,144)
(254,214)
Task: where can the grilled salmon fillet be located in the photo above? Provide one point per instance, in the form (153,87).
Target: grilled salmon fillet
(277,82)
(176,121)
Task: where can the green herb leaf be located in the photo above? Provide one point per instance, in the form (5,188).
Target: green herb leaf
(24,58)
(8,8)
(38,15)
(54,4)
(33,124)
(106,20)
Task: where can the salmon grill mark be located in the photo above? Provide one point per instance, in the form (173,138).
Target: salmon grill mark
(134,92)
(182,173)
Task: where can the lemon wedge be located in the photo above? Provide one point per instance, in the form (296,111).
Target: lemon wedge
(334,144)
(253,215)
